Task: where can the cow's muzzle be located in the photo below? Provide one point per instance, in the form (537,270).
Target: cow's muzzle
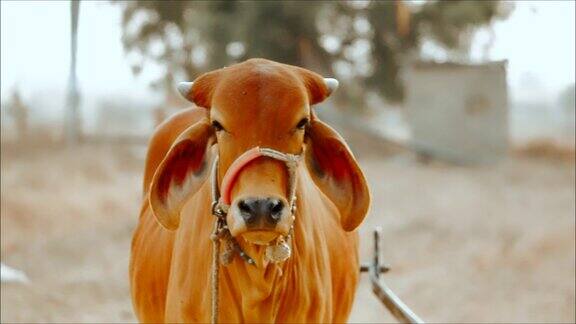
(259,219)
(261,212)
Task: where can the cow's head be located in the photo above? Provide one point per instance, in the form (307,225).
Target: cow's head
(266,104)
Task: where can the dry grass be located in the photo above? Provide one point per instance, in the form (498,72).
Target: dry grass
(493,243)
(67,218)
(548,150)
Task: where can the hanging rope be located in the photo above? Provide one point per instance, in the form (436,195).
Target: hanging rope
(276,253)
(215,237)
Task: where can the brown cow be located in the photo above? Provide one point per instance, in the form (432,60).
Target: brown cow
(257,103)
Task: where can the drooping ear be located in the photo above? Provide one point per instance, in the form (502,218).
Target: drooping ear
(182,172)
(200,91)
(336,173)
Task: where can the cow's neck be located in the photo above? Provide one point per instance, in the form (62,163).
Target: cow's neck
(260,290)
(256,288)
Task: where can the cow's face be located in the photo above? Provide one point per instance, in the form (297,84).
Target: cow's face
(264,104)
(259,104)
(267,107)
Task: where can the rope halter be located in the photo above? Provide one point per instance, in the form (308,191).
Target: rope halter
(221,201)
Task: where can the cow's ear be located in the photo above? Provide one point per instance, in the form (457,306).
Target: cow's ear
(183,170)
(336,173)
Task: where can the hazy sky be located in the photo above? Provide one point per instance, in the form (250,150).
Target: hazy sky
(538,40)
(36,47)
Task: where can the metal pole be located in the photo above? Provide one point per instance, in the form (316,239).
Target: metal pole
(398,309)
(72,118)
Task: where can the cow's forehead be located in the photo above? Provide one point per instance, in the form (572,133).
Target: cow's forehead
(259,90)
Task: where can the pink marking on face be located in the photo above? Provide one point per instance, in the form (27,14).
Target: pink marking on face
(233,171)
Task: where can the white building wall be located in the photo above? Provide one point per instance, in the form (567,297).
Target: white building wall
(458,112)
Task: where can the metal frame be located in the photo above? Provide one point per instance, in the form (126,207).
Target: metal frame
(398,309)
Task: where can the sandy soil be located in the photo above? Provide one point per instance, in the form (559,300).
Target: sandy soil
(474,244)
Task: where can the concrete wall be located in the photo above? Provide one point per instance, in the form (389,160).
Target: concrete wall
(458,112)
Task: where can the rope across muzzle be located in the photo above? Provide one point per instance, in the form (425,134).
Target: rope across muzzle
(223,196)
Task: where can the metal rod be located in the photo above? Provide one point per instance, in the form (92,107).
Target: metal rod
(398,309)
(366,268)
(376,256)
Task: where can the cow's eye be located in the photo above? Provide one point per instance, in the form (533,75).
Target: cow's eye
(303,123)
(217,126)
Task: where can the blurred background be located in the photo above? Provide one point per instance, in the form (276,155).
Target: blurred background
(461,114)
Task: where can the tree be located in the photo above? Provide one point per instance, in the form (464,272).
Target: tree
(365,42)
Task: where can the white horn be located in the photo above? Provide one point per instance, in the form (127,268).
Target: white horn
(184,88)
(331,84)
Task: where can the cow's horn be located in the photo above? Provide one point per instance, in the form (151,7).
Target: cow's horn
(184,88)
(331,84)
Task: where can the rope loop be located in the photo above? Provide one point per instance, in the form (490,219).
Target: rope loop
(217,210)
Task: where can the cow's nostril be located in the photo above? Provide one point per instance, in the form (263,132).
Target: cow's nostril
(243,206)
(276,210)
(247,211)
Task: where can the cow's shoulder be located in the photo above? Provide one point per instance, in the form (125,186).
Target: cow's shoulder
(165,134)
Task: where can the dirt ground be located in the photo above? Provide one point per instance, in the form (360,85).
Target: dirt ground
(490,243)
